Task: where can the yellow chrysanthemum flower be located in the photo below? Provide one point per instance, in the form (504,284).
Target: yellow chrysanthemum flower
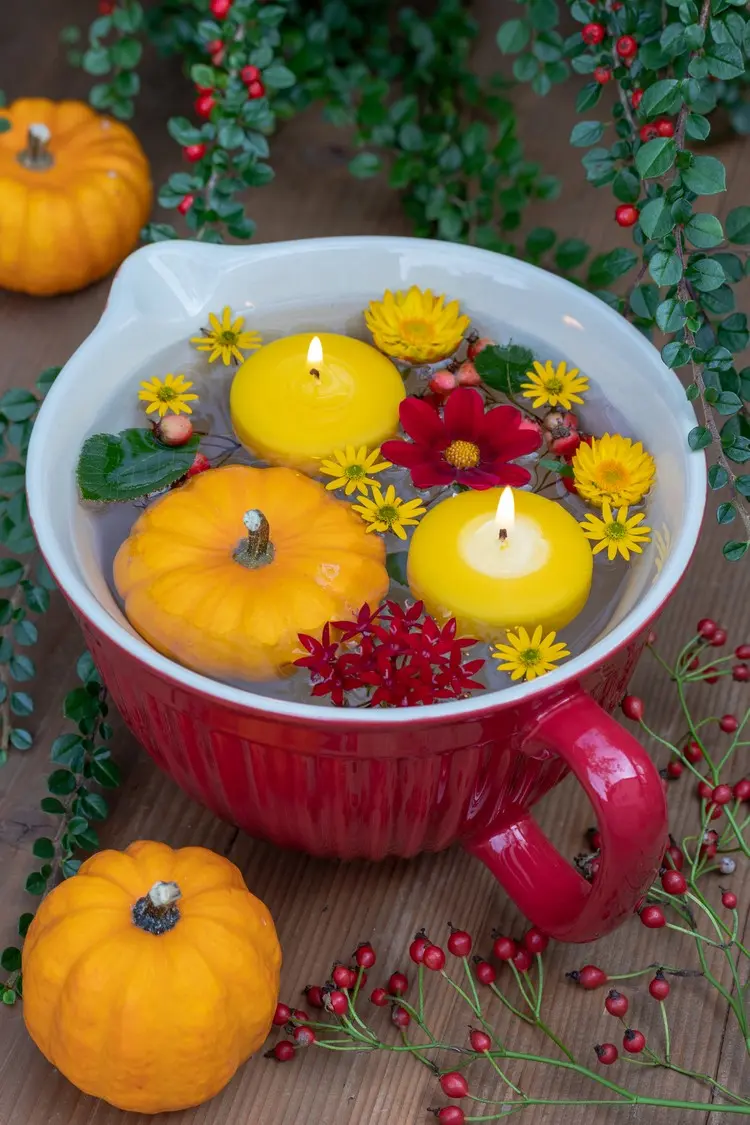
(351,468)
(618,534)
(169,395)
(225,339)
(416,326)
(613,468)
(527,657)
(389,512)
(555,386)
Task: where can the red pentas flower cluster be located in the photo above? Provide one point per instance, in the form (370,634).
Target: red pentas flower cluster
(402,656)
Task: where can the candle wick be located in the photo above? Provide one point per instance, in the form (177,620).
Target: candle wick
(314,371)
(502,534)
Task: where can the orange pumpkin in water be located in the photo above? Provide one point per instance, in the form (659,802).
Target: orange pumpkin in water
(223,573)
(151,976)
(75,190)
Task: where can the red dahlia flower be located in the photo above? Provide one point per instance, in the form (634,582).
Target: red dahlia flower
(466,444)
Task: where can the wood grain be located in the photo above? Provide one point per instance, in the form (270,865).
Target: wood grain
(324,908)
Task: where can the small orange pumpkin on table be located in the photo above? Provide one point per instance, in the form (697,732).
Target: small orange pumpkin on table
(231,605)
(75,190)
(151,976)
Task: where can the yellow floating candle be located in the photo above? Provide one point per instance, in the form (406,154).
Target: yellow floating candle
(298,399)
(496,560)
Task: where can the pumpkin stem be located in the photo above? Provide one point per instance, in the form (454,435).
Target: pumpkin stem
(156,912)
(36,156)
(256,550)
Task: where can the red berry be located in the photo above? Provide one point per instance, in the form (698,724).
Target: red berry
(706,628)
(535,941)
(173,429)
(606,1053)
(729,899)
(451,1115)
(214,46)
(283,1051)
(741,790)
(711,675)
(522,960)
(282,1015)
(454,1084)
(675,768)
(194,153)
(204,103)
(477,346)
(741,673)
(434,958)
(616,1004)
(443,382)
(256,90)
(185,204)
(632,708)
(417,948)
(300,1016)
(626,214)
(304,1036)
(504,948)
(336,1002)
(400,1017)
(693,752)
(589,977)
(742,652)
(467,375)
(480,1041)
(218,58)
(602,74)
(365,956)
(719,638)
(593,33)
(485,972)
(594,838)
(722,794)
(106,7)
(715,812)
(314,994)
(694,663)
(220,8)
(659,987)
(673,858)
(705,790)
(626,47)
(653,917)
(250,74)
(567,445)
(379,997)
(634,1041)
(728,723)
(398,984)
(635,97)
(648,133)
(664,127)
(674,883)
(343,977)
(459,943)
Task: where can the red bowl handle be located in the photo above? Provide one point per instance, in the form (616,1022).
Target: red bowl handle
(627,794)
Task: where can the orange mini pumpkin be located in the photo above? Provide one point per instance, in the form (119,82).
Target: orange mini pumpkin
(75,190)
(151,976)
(230,604)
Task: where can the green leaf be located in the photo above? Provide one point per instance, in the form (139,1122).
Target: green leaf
(504,367)
(278,77)
(43,848)
(705,274)
(525,68)
(697,127)
(52,805)
(644,301)
(718,477)
(656,218)
(670,315)
(704,231)
(395,564)
(70,867)
(411,137)
(733,333)
(734,550)
(25,632)
(665,267)
(655,157)
(588,96)
(738,225)
(230,135)
(606,268)
(96,61)
(68,750)
(11,571)
(126,53)
(203,76)
(364,165)
(662,97)
(37,598)
(699,437)
(571,252)
(106,772)
(586,133)
(95,807)
(23,924)
(10,959)
(61,782)
(742,484)
(22,668)
(21,703)
(539,241)
(705,176)
(130,464)
(724,60)
(183,131)
(727,403)
(36,884)
(675,354)
(626,186)
(128,18)
(18,405)
(512,36)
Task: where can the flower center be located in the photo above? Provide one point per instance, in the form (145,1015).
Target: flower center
(615,530)
(354,472)
(553,385)
(611,474)
(228,337)
(530,657)
(388,514)
(417,331)
(166,394)
(462,454)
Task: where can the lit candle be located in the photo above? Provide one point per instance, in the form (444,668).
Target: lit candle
(298,399)
(496,560)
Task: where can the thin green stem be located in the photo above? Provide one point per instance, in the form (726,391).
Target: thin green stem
(667,1039)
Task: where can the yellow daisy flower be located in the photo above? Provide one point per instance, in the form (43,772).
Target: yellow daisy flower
(527,657)
(416,326)
(613,468)
(389,512)
(351,469)
(619,535)
(169,395)
(555,386)
(225,340)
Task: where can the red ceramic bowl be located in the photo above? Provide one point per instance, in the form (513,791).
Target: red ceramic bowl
(385,782)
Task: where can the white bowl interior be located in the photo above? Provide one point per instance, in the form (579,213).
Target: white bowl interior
(162,295)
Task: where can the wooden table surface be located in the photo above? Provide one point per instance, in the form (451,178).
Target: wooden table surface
(322,909)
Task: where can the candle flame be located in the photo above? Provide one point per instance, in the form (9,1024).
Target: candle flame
(506,513)
(315,351)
